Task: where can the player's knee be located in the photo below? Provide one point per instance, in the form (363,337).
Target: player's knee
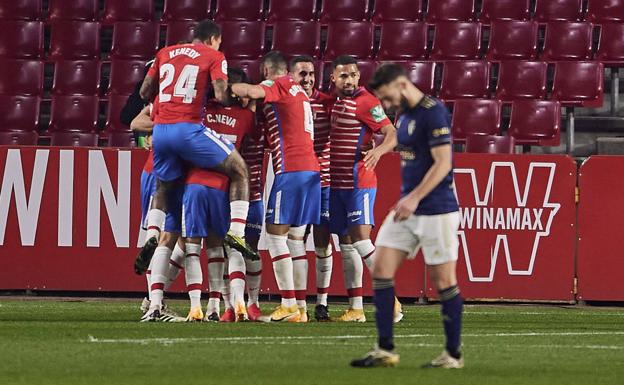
(235,167)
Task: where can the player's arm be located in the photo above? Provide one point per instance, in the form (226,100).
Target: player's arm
(149,89)
(143,121)
(251,91)
(389,143)
(220,89)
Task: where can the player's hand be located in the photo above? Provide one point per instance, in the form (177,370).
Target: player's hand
(405,208)
(372,158)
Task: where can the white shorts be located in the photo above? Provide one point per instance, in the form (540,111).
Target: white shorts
(435,234)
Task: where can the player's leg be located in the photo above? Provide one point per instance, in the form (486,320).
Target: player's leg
(277,243)
(152,219)
(159,270)
(228,313)
(176,262)
(194,278)
(216,266)
(324,259)
(254,267)
(297,249)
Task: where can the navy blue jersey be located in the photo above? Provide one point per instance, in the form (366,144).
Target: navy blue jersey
(419,129)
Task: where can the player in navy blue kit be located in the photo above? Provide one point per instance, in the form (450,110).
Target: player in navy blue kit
(426,217)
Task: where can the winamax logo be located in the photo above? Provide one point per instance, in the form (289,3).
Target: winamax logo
(505,216)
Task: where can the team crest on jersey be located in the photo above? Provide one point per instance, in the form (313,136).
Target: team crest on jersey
(224,66)
(378,113)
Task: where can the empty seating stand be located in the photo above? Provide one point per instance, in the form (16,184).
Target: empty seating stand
(303,10)
(176,10)
(239,10)
(297,37)
(341,10)
(490,144)
(397,10)
(19,113)
(475,117)
(535,122)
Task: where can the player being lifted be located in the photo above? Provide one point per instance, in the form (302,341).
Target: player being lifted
(355,117)
(303,72)
(294,200)
(427,216)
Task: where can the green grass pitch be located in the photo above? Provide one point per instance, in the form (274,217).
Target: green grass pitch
(52,341)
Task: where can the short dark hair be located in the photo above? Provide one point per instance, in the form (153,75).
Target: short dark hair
(343,60)
(237,75)
(205,30)
(385,74)
(300,59)
(276,60)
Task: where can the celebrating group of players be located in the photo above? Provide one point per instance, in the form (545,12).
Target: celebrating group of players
(203,184)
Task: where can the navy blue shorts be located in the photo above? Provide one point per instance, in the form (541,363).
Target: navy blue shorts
(351,207)
(325,206)
(254,219)
(148,189)
(295,199)
(205,210)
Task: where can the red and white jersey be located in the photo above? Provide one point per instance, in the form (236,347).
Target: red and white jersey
(233,123)
(184,72)
(253,153)
(290,126)
(321,108)
(354,119)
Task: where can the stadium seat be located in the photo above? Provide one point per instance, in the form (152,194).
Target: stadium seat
(291,10)
(21,39)
(521,80)
(74,139)
(243,39)
(297,37)
(19,113)
(611,45)
(475,117)
(456,41)
(74,40)
(128,10)
(239,10)
(512,40)
(81,77)
(600,11)
(558,10)
(176,10)
(115,105)
(21,77)
(535,122)
(85,10)
(74,113)
(455,10)
(349,38)
(19,138)
(121,139)
(398,10)
(124,75)
(567,41)
(179,31)
(20,10)
(490,144)
(504,10)
(251,68)
(402,40)
(135,40)
(465,79)
(579,83)
(422,74)
(342,10)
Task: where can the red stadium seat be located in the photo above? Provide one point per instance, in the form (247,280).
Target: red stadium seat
(349,38)
(475,117)
(297,37)
(125,74)
(456,10)
(239,10)
(579,83)
(291,10)
(611,45)
(19,138)
(186,10)
(600,11)
(456,40)
(490,144)
(535,122)
(74,113)
(135,40)
(113,110)
(243,39)
(504,10)
(521,80)
(513,40)
(74,139)
(399,10)
(558,10)
(251,68)
(19,113)
(21,39)
(341,10)
(21,77)
(128,10)
(121,139)
(20,10)
(402,40)
(75,40)
(465,79)
(567,41)
(85,10)
(179,31)
(422,74)
(81,77)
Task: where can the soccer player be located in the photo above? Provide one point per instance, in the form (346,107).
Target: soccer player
(180,76)
(427,216)
(355,117)
(303,72)
(294,201)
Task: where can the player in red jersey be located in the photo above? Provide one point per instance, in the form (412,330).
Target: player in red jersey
(355,117)
(303,72)
(294,201)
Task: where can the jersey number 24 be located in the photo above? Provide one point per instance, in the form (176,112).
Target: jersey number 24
(184,86)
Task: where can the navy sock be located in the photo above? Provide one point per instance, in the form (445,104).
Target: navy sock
(452,308)
(384,314)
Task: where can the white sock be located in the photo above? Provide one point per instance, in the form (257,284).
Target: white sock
(216,266)
(324,265)
(155,222)
(297,250)
(282,267)
(176,263)
(238,217)
(213,305)
(253,277)
(366,249)
(148,278)
(225,291)
(160,267)
(193,273)
(353,270)
(236,271)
